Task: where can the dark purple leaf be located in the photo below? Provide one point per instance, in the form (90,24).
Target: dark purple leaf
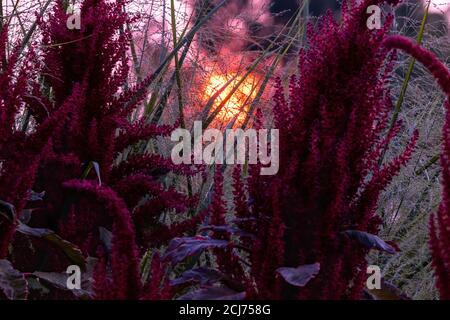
(97,171)
(12,282)
(25,217)
(240,220)
(231,230)
(7,210)
(182,248)
(203,276)
(106,238)
(35,196)
(370,241)
(71,250)
(59,280)
(299,276)
(213,293)
(35,232)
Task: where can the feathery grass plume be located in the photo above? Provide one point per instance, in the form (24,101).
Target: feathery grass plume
(440,221)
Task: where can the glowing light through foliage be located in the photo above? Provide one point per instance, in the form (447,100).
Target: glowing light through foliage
(237,106)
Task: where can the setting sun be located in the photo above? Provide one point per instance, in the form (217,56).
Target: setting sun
(238,104)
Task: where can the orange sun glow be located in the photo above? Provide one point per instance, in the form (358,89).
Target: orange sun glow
(238,104)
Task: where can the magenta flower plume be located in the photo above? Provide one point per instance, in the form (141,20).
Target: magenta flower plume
(85,180)
(428,59)
(227,260)
(125,279)
(334,120)
(331,139)
(84,151)
(99,129)
(158,287)
(20,149)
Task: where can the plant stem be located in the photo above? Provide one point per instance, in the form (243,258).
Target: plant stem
(405,82)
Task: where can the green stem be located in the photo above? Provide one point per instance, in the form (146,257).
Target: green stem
(405,85)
